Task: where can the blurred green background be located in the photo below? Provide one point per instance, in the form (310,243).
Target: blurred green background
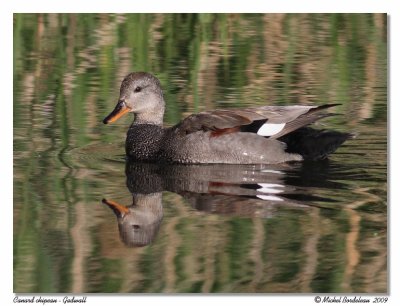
(67,72)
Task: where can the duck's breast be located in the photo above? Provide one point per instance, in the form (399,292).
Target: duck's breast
(143,142)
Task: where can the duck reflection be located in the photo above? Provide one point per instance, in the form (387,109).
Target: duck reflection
(138,223)
(239,190)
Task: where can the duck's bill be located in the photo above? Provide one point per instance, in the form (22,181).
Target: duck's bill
(119,210)
(119,110)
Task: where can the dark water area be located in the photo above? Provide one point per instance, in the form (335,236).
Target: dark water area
(87,220)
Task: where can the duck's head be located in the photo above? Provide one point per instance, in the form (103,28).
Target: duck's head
(142,95)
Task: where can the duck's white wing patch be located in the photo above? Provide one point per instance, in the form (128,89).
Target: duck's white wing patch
(269,198)
(271,171)
(270,188)
(270,129)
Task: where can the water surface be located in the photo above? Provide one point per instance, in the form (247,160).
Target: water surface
(299,227)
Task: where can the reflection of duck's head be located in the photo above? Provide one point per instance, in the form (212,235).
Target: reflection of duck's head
(139,223)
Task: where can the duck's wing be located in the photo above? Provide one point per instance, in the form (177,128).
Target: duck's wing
(269,121)
(218,120)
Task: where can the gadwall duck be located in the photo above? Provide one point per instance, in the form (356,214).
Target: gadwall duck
(254,135)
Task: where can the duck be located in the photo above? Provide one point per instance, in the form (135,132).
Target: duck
(253,135)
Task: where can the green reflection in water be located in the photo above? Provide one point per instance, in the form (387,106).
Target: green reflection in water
(67,70)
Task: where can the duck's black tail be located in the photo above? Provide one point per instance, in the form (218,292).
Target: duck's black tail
(314,144)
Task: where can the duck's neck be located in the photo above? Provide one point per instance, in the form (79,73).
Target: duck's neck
(150,203)
(150,117)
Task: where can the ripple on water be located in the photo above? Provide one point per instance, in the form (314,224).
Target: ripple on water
(95,155)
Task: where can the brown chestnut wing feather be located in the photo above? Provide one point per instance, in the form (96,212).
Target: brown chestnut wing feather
(217,120)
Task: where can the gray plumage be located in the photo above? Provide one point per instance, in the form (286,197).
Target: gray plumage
(220,136)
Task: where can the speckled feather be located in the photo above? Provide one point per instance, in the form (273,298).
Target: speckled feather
(221,136)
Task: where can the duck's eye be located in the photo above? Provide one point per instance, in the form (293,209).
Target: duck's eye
(138,89)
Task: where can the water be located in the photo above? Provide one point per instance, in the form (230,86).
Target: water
(299,227)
